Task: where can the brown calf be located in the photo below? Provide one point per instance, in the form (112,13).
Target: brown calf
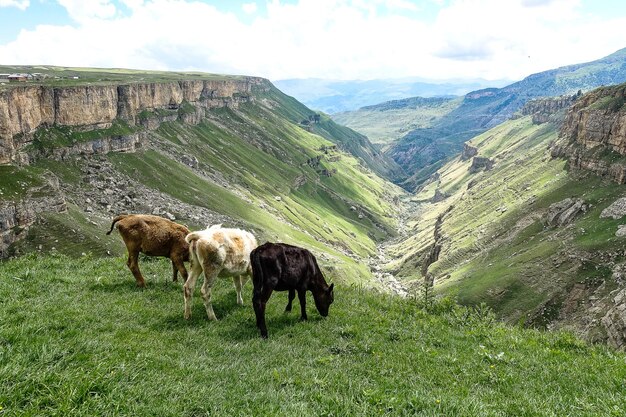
(153,236)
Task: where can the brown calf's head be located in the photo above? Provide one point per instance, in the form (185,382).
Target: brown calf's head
(323,299)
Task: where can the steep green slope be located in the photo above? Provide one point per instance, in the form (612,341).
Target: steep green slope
(496,244)
(76,340)
(252,165)
(387,122)
(345,138)
(481,110)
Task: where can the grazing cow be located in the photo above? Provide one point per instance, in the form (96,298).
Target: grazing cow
(282,267)
(218,252)
(153,236)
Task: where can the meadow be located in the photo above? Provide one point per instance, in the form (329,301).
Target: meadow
(78,338)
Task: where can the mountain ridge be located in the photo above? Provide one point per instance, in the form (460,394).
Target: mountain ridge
(421,151)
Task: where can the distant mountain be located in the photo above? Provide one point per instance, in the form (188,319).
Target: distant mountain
(424,149)
(387,122)
(333,96)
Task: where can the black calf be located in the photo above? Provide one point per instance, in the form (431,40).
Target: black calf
(282,267)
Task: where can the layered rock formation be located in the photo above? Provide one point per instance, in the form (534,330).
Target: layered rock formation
(564,212)
(16,217)
(469,151)
(593,135)
(550,109)
(24,109)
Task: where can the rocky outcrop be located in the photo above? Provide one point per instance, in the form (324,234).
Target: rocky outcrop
(480,162)
(580,159)
(616,210)
(468,151)
(615,322)
(593,135)
(16,217)
(598,119)
(124,143)
(548,109)
(565,211)
(24,109)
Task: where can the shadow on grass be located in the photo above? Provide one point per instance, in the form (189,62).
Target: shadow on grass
(129,285)
(235,323)
(224,306)
(278,325)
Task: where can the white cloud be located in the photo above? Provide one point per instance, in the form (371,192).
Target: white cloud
(83,10)
(402,5)
(20,4)
(249,8)
(325,38)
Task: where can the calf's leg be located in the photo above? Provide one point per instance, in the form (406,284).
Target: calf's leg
(302,298)
(210,274)
(238,281)
(292,295)
(174,272)
(190,285)
(259,300)
(133,265)
(178,266)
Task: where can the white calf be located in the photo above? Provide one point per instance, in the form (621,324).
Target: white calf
(218,252)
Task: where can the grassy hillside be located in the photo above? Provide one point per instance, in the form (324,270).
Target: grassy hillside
(77,338)
(347,139)
(387,122)
(255,167)
(496,247)
(70,76)
(422,148)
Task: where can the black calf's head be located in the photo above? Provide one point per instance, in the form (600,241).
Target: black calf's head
(324,299)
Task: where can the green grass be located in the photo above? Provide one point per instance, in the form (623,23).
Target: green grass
(15,182)
(388,122)
(64,76)
(59,136)
(77,338)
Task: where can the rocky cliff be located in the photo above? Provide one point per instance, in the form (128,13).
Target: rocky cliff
(38,121)
(16,216)
(593,135)
(550,109)
(24,109)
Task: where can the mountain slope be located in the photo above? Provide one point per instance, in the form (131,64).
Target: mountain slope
(334,96)
(389,121)
(422,149)
(202,151)
(508,225)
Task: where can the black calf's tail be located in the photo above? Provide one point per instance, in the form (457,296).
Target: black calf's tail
(115,220)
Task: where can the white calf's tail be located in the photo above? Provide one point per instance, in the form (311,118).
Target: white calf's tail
(192,237)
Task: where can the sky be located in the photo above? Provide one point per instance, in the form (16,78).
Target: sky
(331,39)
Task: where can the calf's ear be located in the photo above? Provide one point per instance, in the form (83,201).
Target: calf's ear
(330,289)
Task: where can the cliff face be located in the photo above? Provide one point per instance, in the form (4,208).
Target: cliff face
(593,135)
(24,109)
(549,109)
